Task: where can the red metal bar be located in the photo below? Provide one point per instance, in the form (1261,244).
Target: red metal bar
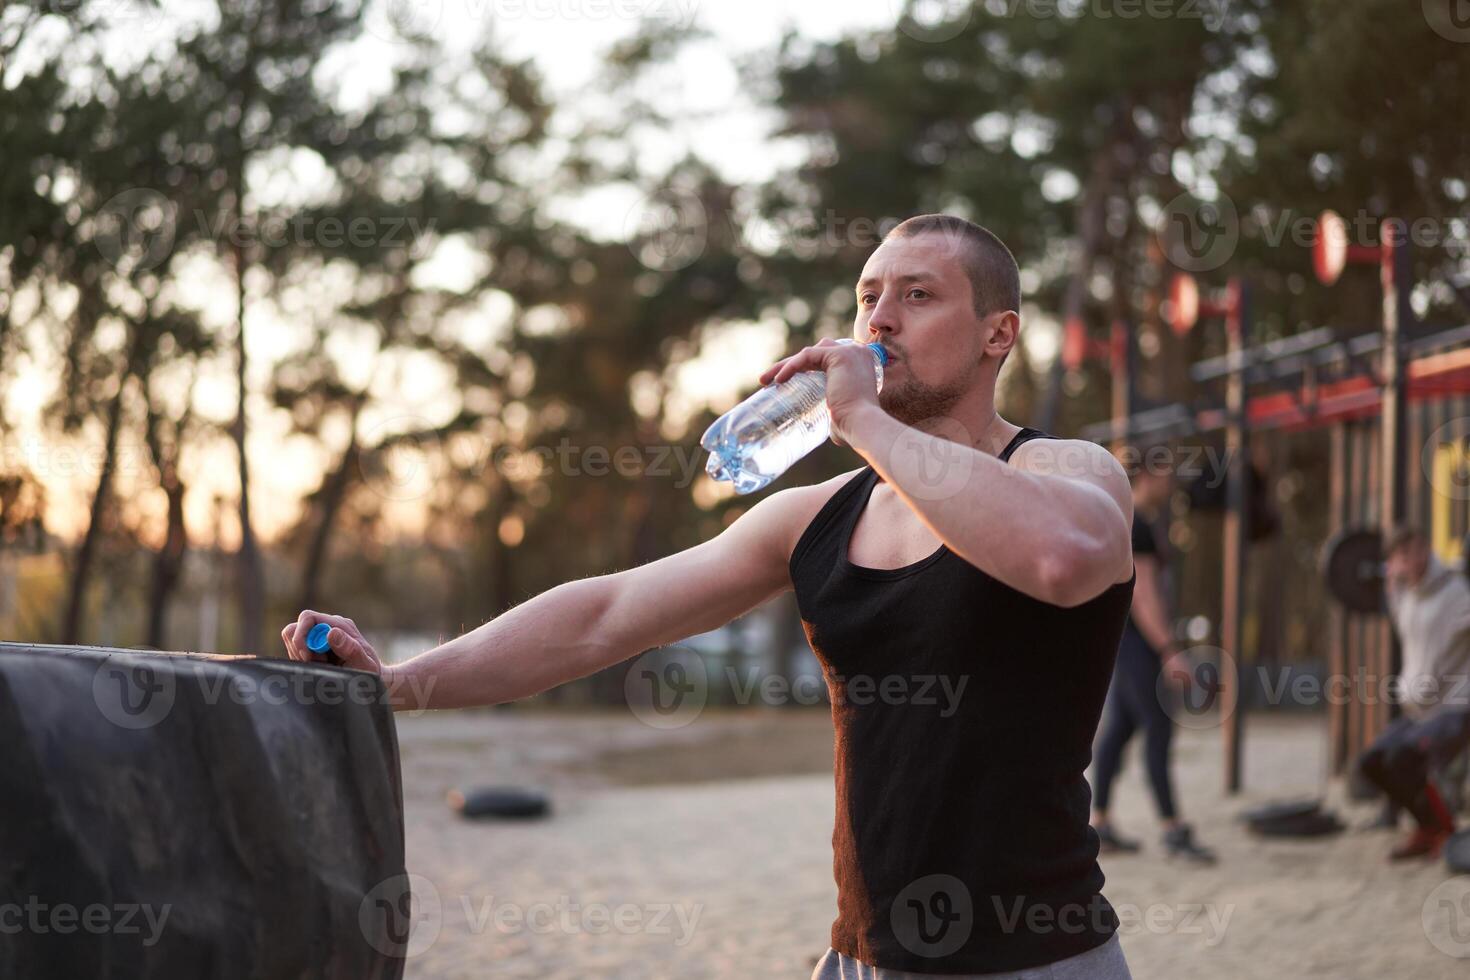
(1364,254)
(1359,397)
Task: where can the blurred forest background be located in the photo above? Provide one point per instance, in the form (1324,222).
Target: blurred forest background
(401,299)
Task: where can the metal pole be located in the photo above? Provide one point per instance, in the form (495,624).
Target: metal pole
(1398,315)
(1337,630)
(1120,349)
(1237,325)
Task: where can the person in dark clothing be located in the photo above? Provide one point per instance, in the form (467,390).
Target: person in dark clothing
(1136,699)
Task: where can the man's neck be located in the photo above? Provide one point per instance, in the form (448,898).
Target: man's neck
(993,434)
(976,414)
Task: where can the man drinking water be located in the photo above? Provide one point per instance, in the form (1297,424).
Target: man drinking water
(967,548)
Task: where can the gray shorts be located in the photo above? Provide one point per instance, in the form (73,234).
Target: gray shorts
(1106,962)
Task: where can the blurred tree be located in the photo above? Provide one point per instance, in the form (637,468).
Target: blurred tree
(490,221)
(1047,123)
(252,81)
(89,237)
(1349,106)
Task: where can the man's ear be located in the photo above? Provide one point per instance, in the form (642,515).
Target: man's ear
(1004,329)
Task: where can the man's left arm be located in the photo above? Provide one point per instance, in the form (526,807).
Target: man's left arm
(1053,523)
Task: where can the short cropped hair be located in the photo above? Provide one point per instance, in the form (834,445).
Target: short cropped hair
(1402,537)
(995,279)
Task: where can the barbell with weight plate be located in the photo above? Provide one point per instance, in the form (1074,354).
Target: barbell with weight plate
(1354,569)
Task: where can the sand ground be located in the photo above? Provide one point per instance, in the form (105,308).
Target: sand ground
(705,852)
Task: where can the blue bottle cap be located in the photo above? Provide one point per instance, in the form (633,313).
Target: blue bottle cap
(877,348)
(316,640)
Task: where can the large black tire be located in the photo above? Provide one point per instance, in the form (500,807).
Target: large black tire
(257,804)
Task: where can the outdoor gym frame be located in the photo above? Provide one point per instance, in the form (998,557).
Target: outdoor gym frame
(1382,395)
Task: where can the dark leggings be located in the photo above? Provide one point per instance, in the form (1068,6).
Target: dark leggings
(1134,703)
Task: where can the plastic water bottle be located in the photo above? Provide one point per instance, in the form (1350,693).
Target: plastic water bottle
(759,439)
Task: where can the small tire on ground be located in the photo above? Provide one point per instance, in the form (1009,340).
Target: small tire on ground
(1297,818)
(502,802)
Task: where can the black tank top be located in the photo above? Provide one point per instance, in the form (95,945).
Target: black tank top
(964,712)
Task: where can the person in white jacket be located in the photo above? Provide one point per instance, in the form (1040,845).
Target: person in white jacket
(1429,604)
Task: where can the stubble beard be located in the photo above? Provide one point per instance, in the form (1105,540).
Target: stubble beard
(913,401)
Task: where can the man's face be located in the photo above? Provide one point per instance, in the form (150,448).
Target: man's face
(1409,562)
(915,298)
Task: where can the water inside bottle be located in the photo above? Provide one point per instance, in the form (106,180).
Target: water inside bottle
(763,436)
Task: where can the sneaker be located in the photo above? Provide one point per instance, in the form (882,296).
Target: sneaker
(1423,842)
(1180,843)
(1111,843)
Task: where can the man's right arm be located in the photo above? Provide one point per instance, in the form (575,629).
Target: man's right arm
(580,627)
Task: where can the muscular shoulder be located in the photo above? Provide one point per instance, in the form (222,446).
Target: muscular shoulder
(1077,459)
(1090,464)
